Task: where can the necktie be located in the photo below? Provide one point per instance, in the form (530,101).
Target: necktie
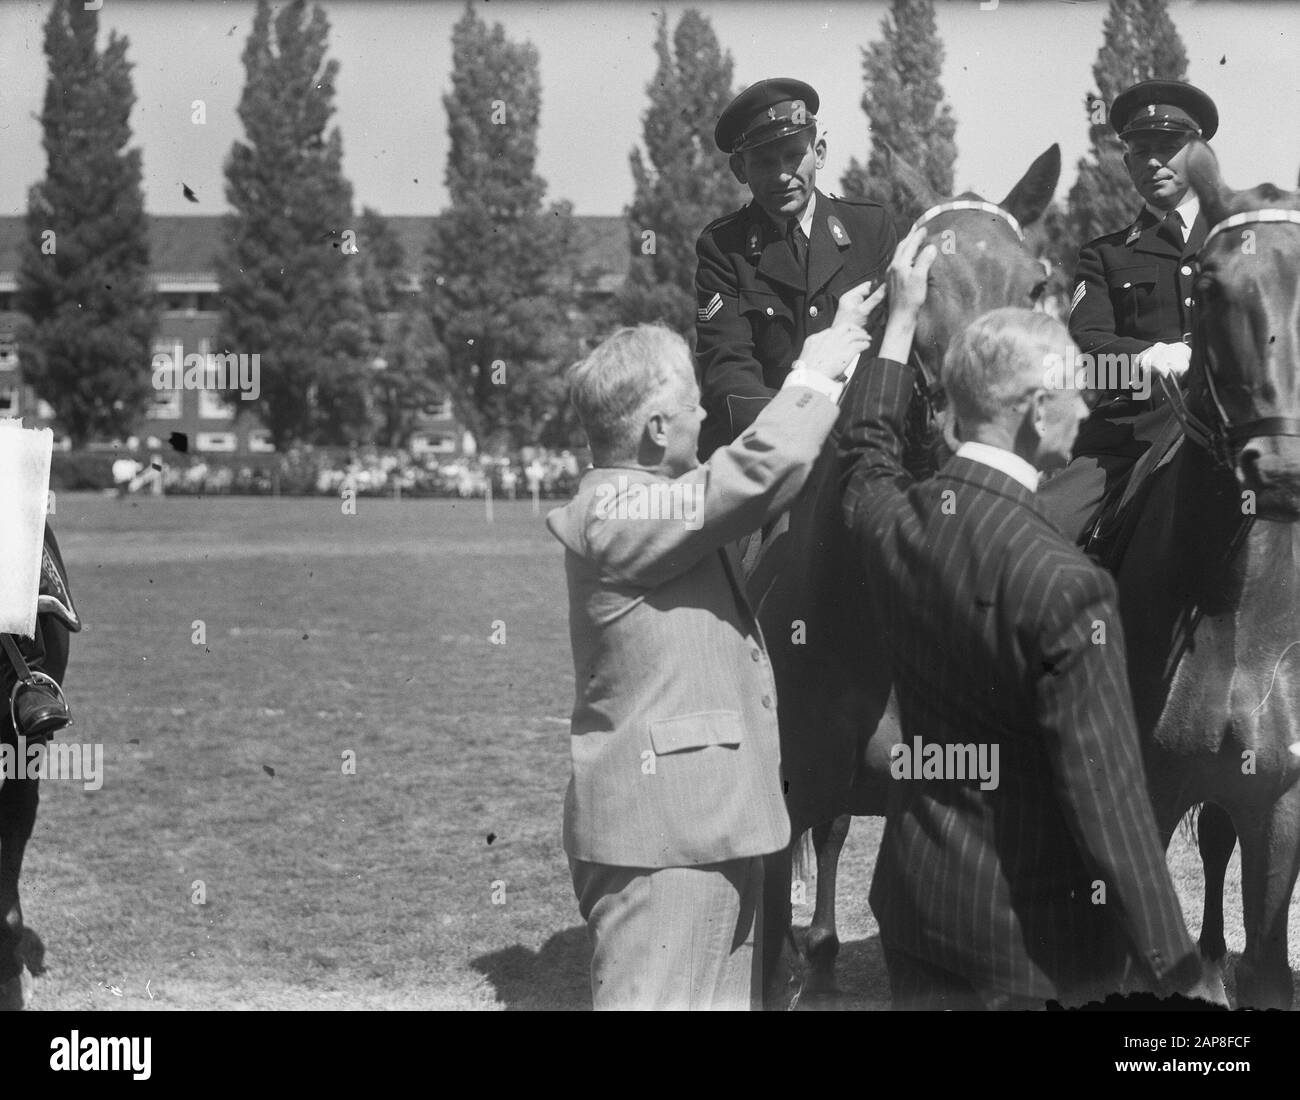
(798,244)
(1172,228)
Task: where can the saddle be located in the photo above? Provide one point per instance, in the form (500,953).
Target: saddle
(1107,536)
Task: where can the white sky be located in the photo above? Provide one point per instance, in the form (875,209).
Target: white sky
(1015,76)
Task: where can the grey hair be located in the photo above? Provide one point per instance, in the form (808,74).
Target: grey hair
(612,385)
(999,358)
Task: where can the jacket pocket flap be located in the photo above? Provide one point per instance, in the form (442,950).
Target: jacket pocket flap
(695,731)
(1121,278)
(765,303)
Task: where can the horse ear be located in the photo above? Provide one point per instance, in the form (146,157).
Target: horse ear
(1029,198)
(911,179)
(1203,175)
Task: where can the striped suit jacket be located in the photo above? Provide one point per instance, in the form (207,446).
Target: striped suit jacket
(1001,633)
(674,742)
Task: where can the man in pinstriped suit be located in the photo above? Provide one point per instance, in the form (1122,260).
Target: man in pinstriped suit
(1049,882)
(676,789)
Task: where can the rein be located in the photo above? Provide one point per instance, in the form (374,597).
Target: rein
(1220,437)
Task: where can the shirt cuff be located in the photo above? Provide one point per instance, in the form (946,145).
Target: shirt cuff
(802,376)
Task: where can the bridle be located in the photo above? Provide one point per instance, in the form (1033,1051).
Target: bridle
(1220,437)
(970,204)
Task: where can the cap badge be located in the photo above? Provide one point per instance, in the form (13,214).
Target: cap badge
(771,113)
(1151,109)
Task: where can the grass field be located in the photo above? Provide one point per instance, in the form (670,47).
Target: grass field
(433,877)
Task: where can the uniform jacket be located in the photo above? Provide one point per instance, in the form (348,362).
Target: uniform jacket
(1133,288)
(991,618)
(755,307)
(674,744)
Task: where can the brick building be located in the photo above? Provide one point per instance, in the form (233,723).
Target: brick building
(183,251)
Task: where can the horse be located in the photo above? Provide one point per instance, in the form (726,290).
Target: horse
(1208,581)
(833,680)
(21,951)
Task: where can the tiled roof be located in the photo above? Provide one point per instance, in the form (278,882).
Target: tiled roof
(183,248)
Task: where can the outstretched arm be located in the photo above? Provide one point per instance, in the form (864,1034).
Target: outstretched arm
(871,448)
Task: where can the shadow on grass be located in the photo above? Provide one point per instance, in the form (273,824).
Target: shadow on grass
(555,978)
(860,976)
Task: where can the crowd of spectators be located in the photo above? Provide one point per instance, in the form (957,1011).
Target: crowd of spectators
(369,471)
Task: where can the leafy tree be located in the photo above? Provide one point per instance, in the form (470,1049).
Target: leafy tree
(404,383)
(1139,42)
(682,180)
(498,285)
(83,280)
(289,277)
(905,105)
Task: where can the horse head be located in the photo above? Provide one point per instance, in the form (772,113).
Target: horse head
(1248,340)
(983,263)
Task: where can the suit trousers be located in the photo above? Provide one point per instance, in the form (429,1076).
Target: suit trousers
(916,985)
(673,937)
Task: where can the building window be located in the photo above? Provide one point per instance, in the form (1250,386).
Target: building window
(213,407)
(259,442)
(164,405)
(216,441)
(8,400)
(432,443)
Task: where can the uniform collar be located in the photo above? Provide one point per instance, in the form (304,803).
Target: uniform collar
(1188,209)
(782,225)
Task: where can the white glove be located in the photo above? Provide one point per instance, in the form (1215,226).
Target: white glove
(1168,360)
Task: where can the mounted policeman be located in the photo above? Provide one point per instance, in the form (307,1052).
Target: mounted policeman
(1133,298)
(771,274)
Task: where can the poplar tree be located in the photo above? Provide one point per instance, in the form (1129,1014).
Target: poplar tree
(904,103)
(290,284)
(682,180)
(499,272)
(84,283)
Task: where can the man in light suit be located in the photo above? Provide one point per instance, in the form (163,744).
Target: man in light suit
(1042,876)
(676,788)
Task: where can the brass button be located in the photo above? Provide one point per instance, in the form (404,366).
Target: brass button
(770,311)
(1186,270)
(1126,286)
(812,311)
(1187,302)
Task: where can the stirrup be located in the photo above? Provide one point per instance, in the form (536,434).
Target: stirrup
(33,679)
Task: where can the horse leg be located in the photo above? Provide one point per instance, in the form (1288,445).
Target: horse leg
(822,945)
(777,920)
(18,801)
(1270,861)
(1216,837)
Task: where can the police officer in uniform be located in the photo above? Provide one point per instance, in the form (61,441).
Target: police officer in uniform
(771,274)
(1133,295)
